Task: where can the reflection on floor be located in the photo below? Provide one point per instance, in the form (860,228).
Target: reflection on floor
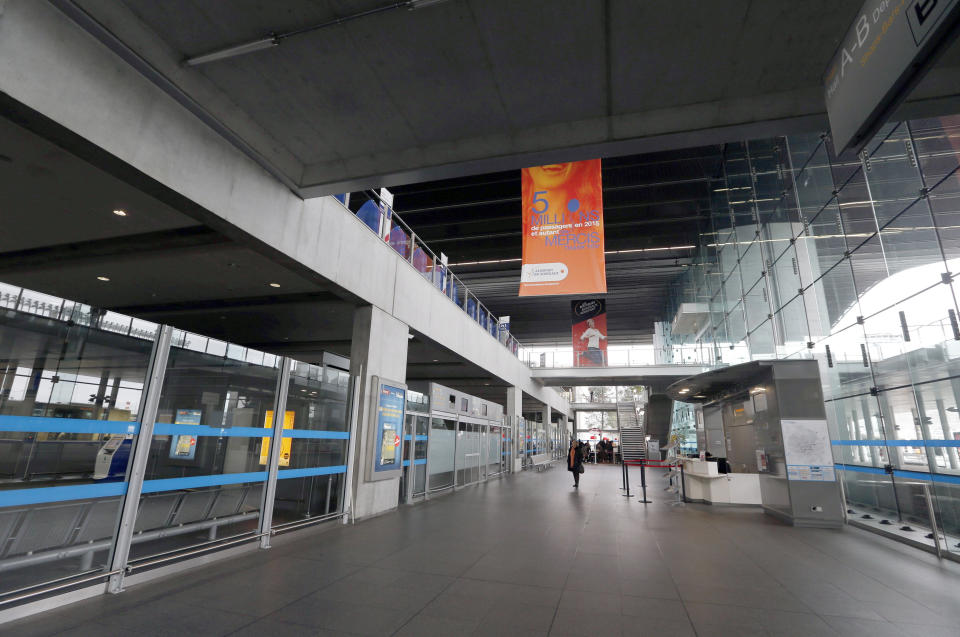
(529,555)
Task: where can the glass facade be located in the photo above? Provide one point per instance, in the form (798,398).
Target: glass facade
(849,260)
(74,392)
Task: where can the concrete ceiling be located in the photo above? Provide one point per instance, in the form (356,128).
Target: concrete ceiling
(165,265)
(470,86)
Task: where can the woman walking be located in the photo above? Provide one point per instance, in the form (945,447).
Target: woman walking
(575,462)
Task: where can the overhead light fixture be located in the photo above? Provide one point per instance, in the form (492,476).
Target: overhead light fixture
(436,360)
(683,391)
(233,51)
(274,285)
(103,278)
(274,39)
(120,212)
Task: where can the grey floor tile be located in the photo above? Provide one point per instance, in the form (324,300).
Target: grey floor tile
(527,556)
(428,626)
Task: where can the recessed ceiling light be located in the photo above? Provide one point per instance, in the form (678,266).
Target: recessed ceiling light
(436,360)
(103,278)
(274,285)
(120,213)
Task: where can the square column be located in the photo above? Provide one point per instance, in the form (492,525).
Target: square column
(378,348)
(514,414)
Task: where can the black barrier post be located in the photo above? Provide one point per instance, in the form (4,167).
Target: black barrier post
(683,484)
(623,475)
(643,482)
(626,480)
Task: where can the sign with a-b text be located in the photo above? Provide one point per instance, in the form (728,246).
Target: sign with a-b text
(886,51)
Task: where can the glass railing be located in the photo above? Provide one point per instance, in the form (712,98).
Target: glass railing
(619,356)
(381,219)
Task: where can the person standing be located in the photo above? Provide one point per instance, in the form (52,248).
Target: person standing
(575,462)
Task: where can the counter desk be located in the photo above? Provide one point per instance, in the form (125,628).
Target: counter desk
(705,484)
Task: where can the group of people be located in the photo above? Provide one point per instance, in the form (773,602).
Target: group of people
(605,451)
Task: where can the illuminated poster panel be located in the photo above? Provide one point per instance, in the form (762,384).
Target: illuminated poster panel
(285,445)
(184,447)
(589,319)
(563,230)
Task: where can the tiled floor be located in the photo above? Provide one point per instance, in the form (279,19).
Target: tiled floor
(529,555)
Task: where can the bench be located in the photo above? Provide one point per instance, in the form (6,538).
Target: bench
(542,461)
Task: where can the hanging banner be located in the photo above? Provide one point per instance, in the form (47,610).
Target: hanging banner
(563,230)
(589,319)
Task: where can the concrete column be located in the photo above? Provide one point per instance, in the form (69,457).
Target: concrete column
(547,428)
(514,414)
(378,348)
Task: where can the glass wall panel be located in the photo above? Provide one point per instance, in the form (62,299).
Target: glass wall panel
(440,453)
(208,457)
(71,387)
(313,452)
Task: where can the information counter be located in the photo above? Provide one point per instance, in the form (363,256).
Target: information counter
(705,484)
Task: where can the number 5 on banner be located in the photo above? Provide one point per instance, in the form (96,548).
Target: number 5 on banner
(537,198)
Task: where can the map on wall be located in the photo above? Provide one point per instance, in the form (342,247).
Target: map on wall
(806,445)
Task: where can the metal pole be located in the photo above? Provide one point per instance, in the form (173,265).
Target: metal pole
(643,483)
(683,484)
(933,518)
(137,468)
(352,448)
(273,457)
(626,477)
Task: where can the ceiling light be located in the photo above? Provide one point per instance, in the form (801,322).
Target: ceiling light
(683,391)
(274,285)
(233,51)
(120,213)
(436,360)
(103,278)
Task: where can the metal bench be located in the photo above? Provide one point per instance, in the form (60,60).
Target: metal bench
(542,461)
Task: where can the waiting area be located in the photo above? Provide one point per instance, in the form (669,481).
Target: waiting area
(528,555)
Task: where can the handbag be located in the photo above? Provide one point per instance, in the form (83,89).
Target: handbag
(581,469)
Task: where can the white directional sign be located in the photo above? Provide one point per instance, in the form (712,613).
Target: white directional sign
(886,51)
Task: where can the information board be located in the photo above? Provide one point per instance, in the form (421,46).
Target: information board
(886,51)
(806,445)
(391,404)
(184,447)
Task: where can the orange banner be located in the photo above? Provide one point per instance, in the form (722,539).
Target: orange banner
(563,230)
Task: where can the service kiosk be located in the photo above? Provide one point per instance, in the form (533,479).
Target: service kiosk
(762,438)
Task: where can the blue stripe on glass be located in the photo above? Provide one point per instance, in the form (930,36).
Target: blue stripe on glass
(899,473)
(310,433)
(406,437)
(169,429)
(40,495)
(283,474)
(406,463)
(193,482)
(67,425)
(896,443)
(422,438)
(422,461)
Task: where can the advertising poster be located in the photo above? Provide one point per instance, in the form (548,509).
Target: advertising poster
(184,447)
(286,443)
(589,318)
(562,230)
(390,408)
(504,328)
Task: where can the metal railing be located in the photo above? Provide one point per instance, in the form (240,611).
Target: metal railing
(381,219)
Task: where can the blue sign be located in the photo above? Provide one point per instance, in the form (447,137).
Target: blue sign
(184,447)
(390,406)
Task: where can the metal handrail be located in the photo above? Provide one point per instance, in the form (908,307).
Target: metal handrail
(450,284)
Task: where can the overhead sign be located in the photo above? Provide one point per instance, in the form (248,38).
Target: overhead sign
(589,319)
(563,230)
(886,51)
